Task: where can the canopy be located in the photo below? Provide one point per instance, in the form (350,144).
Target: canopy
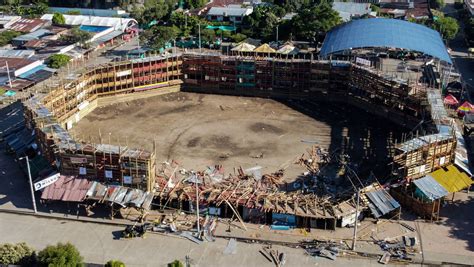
(450,100)
(244,47)
(222,28)
(466,107)
(288,50)
(265,48)
(429,188)
(452,179)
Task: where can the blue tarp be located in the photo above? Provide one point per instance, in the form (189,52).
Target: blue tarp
(282,219)
(381,202)
(381,32)
(429,188)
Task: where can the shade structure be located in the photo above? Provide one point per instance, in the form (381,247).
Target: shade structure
(450,100)
(429,188)
(244,47)
(452,179)
(466,107)
(265,48)
(388,33)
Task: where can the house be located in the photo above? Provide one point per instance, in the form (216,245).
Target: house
(17,66)
(231,13)
(27,25)
(349,10)
(469,6)
(23,39)
(9,53)
(5,20)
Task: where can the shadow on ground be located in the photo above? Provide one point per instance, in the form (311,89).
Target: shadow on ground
(459,217)
(366,138)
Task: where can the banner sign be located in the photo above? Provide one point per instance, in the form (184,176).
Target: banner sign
(127,179)
(76,160)
(47,181)
(363,61)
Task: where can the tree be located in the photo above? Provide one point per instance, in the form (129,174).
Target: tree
(312,23)
(238,37)
(16,254)
(58,19)
(58,60)
(7,36)
(437,4)
(208,35)
(192,4)
(114,263)
(176,263)
(60,255)
(448,27)
(262,23)
(77,35)
(157,36)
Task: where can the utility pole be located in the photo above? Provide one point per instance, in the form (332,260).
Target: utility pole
(277,35)
(197,205)
(354,238)
(200,49)
(31,183)
(8,73)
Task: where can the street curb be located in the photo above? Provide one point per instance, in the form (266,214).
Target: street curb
(241,239)
(72,218)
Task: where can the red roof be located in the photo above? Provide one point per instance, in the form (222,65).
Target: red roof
(14,63)
(27,25)
(67,188)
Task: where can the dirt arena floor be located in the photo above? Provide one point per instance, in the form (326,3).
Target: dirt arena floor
(199,130)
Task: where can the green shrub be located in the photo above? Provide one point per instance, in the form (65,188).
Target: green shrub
(58,19)
(114,263)
(16,254)
(176,263)
(7,36)
(57,61)
(60,255)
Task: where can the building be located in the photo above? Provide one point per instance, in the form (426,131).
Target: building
(349,10)
(27,25)
(6,20)
(469,6)
(91,11)
(23,39)
(17,66)
(9,53)
(117,24)
(230,13)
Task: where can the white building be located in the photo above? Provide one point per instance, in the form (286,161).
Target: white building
(470,6)
(231,13)
(117,24)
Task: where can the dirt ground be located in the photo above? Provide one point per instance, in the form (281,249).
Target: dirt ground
(199,130)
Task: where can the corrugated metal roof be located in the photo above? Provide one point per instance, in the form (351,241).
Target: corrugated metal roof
(229,11)
(430,188)
(381,32)
(452,179)
(382,202)
(347,10)
(118,23)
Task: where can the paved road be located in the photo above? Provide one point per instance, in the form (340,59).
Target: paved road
(98,244)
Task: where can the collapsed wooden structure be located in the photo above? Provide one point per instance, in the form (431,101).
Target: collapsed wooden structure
(249,192)
(52,113)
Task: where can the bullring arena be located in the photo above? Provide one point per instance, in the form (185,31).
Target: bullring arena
(243,125)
